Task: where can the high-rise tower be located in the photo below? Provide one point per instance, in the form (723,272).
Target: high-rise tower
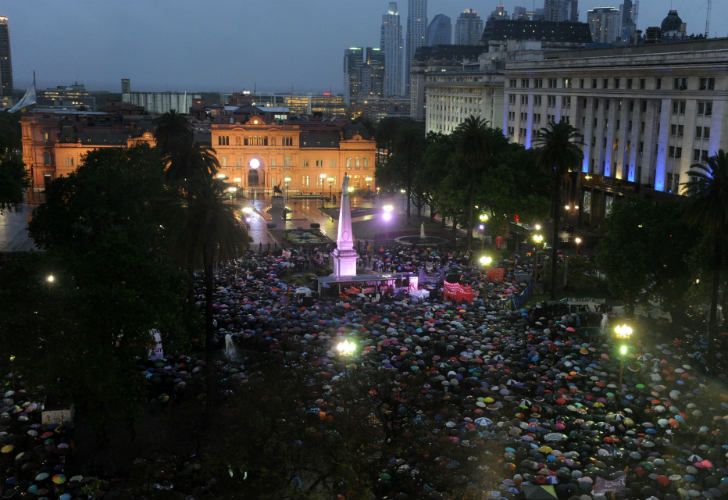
(6,65)
(416,31)
(561,10)
(393,48)
(353,62)
(439,32)
(468,28)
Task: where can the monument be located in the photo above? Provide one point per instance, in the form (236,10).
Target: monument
(344,256)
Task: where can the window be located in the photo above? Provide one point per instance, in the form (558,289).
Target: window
(705,108)
(46,158)
(512,83)
(680,84)
(567,83)
(537,100)
(348,163)
(524,83)
(319,163)
(566,101)
(552,83)
(616,83)
(272,141)
(538,83)
(358,163)
(707,84)
(238,140)
(643,84)
(305,163)
(69,161)
(551,101)
(511,99)
(223,140)
(305,181)
(288,141)
(605,83)
(223,161)
(629,83)
(658,83)
(286,161)
(678,152)
(581,83)
(366,162)
(524,99)
(702,133)
(594,83)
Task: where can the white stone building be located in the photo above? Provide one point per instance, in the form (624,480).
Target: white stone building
(647,113)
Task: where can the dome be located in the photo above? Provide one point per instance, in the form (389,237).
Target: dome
(672,22)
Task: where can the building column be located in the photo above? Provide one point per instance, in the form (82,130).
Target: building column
(660,164)
(505,114)
(559,106)
(529,122)
(716,126)
(588,132)
(634,141)
(649,138)
(599,134)
(611,126)
(622,160)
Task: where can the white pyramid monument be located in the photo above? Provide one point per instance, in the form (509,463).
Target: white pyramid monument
(344,256)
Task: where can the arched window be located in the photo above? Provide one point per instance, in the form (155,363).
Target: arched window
(46,158)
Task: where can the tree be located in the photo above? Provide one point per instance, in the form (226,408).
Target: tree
(645,252)
(105,233)
(707,206)
(476,147)
(559,152)
(215,236)
(14,178)
(13,183)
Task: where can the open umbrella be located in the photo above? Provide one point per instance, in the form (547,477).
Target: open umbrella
(533,492)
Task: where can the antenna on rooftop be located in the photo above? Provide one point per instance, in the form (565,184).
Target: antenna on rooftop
(707,18)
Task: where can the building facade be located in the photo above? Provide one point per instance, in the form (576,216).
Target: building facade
(416,33)
(6,62)
(629,11)
(305,157)
(392,45)
(605,24)
(468,28)
(255,152)
(67,96)
(56,141)
(647,113)
(439,32)
(161,102)
(373,73)
(561,10)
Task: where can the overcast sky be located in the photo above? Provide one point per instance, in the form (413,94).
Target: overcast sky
(231,44)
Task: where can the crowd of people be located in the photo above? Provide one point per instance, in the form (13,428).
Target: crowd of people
(505,402)
(537,396)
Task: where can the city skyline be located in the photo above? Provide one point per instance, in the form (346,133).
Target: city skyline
(185,57)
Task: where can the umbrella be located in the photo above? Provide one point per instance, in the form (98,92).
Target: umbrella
(533,492)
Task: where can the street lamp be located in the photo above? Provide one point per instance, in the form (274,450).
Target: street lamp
(537,227)
(387,211)
(287,181)
(623,332)
(369,180)
(331,185)
(485,260)
(345,348)
(537,239)
(322,179)
(577,241)
(232,190)
(50,279)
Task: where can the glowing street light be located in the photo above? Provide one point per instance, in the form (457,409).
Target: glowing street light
(346,348)
(387,212)
(577,241)
(485,260)
(483,218)
(248,210)
(623,331)
(537,227)
(221,176)
(50,279)
(537,238)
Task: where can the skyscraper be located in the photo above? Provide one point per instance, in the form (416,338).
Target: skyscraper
(373,72)
(561,10)
(439,32)
(6,65)
(469,28)
(629,19)
(353,62)
(416,31)
(393,49)
(605,24)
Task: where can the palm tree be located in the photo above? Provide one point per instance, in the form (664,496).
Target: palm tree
(215,236)
(559,151)
(173,134)
(476,146)
(707,205)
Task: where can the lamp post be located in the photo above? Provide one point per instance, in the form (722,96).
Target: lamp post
(483,218)
(537,239)
(331,185)
(623,333)
(368,180)
(287,181)
(485,260)
(346,349)
(322,179)
(577,242)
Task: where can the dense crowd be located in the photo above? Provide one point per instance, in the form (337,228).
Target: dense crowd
(519,403)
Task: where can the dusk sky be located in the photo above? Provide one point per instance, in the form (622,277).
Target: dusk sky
(226,45)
